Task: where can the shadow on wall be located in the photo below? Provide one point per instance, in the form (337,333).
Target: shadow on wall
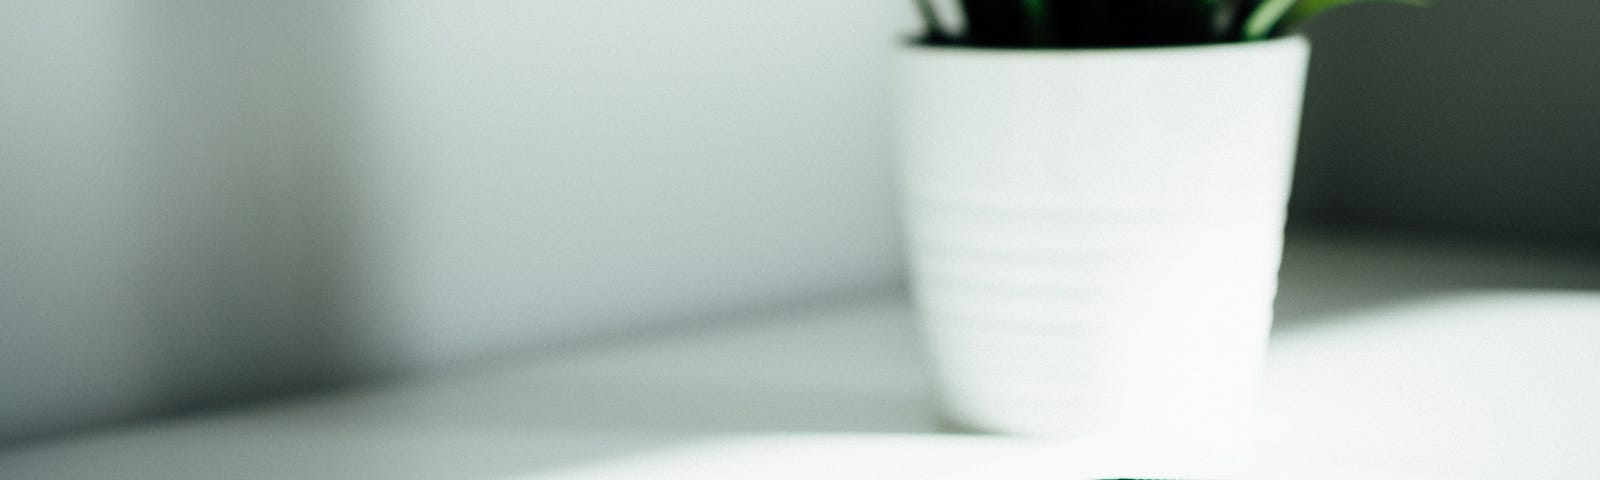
(204,202)
(171,183)
(245,112)
(1466,115)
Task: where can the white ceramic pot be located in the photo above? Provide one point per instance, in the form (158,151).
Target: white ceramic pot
(1095,234)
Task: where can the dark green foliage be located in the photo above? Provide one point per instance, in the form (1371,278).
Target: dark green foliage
(1122,23)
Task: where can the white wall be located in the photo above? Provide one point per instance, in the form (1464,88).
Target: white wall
(202,202)
(549,169)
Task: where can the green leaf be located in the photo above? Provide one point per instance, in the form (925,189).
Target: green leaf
(933,31)
(1279,15)
(1265,18)
(1038,20)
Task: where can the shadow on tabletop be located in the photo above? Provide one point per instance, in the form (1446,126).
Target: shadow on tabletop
(1329,274)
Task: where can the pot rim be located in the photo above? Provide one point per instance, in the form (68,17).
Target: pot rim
(916,46)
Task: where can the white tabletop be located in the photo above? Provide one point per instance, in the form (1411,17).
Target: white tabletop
(1422,358)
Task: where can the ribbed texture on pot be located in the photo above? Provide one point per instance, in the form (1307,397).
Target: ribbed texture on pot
(1094,236)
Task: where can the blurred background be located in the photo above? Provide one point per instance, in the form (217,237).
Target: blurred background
(204,203)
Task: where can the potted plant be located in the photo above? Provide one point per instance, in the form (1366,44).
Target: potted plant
(1094,193)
